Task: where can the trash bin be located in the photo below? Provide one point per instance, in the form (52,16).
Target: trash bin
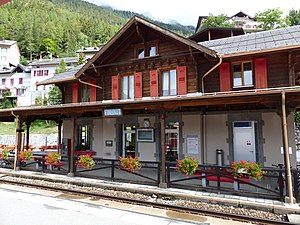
(219,157)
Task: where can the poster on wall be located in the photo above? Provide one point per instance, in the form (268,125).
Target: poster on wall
(192,144)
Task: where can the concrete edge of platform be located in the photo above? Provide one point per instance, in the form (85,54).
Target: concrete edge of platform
(276,207)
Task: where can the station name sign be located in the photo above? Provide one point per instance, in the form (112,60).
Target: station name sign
(114,112)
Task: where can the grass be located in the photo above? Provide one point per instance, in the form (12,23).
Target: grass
(9,128)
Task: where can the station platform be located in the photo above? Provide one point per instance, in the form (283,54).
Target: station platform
(231,200)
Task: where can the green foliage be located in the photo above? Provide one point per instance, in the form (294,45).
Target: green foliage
(130,164)
(62,67)
(53,158)
(54,96)
(217,21)
(41,101)
(63,26)
(187,166)
(4,154)
(7,102)
(271,19)
(23,61)
(86,161)
(80,58)
(244,168)
(294,17)
(297,118)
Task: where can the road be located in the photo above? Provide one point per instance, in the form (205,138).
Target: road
(24,206)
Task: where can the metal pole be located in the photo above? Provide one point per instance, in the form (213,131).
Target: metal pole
(163,149)
(286,151)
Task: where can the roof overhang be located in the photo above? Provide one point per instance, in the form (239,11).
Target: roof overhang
(163,31)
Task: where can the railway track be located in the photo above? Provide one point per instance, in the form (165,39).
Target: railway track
(196,211)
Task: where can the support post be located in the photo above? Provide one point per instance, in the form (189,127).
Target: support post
(287,163)
(163,183)
(71,162)
(19,131)
(28,123)
(59,125)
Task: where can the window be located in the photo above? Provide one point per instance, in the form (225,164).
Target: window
(85,93)
(84,137)
(242,74)
(3,81)
(147,50)
(20,92)
(12,82)
(21,80)
(127,87)
(46,72)
(169,83)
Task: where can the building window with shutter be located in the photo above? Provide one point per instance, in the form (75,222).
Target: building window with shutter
(242,74)
(127,87)
(85,93)
(169,83)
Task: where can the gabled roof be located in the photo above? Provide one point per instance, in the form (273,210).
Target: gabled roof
(272,40)
(241,14)
(7,42)
(62,77)
(132,22)
(54,61)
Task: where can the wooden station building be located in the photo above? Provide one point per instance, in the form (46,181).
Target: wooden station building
(154,94)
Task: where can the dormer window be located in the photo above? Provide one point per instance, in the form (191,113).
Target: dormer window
(149,49)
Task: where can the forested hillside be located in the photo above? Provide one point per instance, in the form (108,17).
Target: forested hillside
(63,26)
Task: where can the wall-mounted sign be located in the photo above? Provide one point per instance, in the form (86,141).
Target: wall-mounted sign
(108,143)
(192,145)
(115,112)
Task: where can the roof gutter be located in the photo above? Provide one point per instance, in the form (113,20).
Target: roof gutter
(209,71)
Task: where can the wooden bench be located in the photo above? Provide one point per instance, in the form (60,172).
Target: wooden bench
(225,177)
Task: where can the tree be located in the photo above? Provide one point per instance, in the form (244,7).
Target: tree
(7,102)
(54,96)
(217,21)
(81,58)
(62,67)
(271,19)
(294,17)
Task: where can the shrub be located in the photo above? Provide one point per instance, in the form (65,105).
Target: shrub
(86,161)
(4,154)
(187,166)
(53,158)
(130,164)
(25,156)
(244,168)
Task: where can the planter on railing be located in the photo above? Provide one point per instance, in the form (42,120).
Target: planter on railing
(187,166)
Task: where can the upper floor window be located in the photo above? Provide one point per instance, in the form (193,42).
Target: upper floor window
(85,93)
(242,74)
(3,81)
(147,50)
(169,83)
(21,80)
(12,82)
(127,87)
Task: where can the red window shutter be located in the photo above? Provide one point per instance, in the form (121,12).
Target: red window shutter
(93,97)
(115,87)
(34,72)
(261,78)
(153,83)
(181,80)
(75,93)
(138,84)
(225,84)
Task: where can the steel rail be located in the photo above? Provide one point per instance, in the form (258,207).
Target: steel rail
(221,215)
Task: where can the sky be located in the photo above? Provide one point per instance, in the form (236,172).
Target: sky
(186,12)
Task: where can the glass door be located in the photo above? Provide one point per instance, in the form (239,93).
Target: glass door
(172,141)
(129,140)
